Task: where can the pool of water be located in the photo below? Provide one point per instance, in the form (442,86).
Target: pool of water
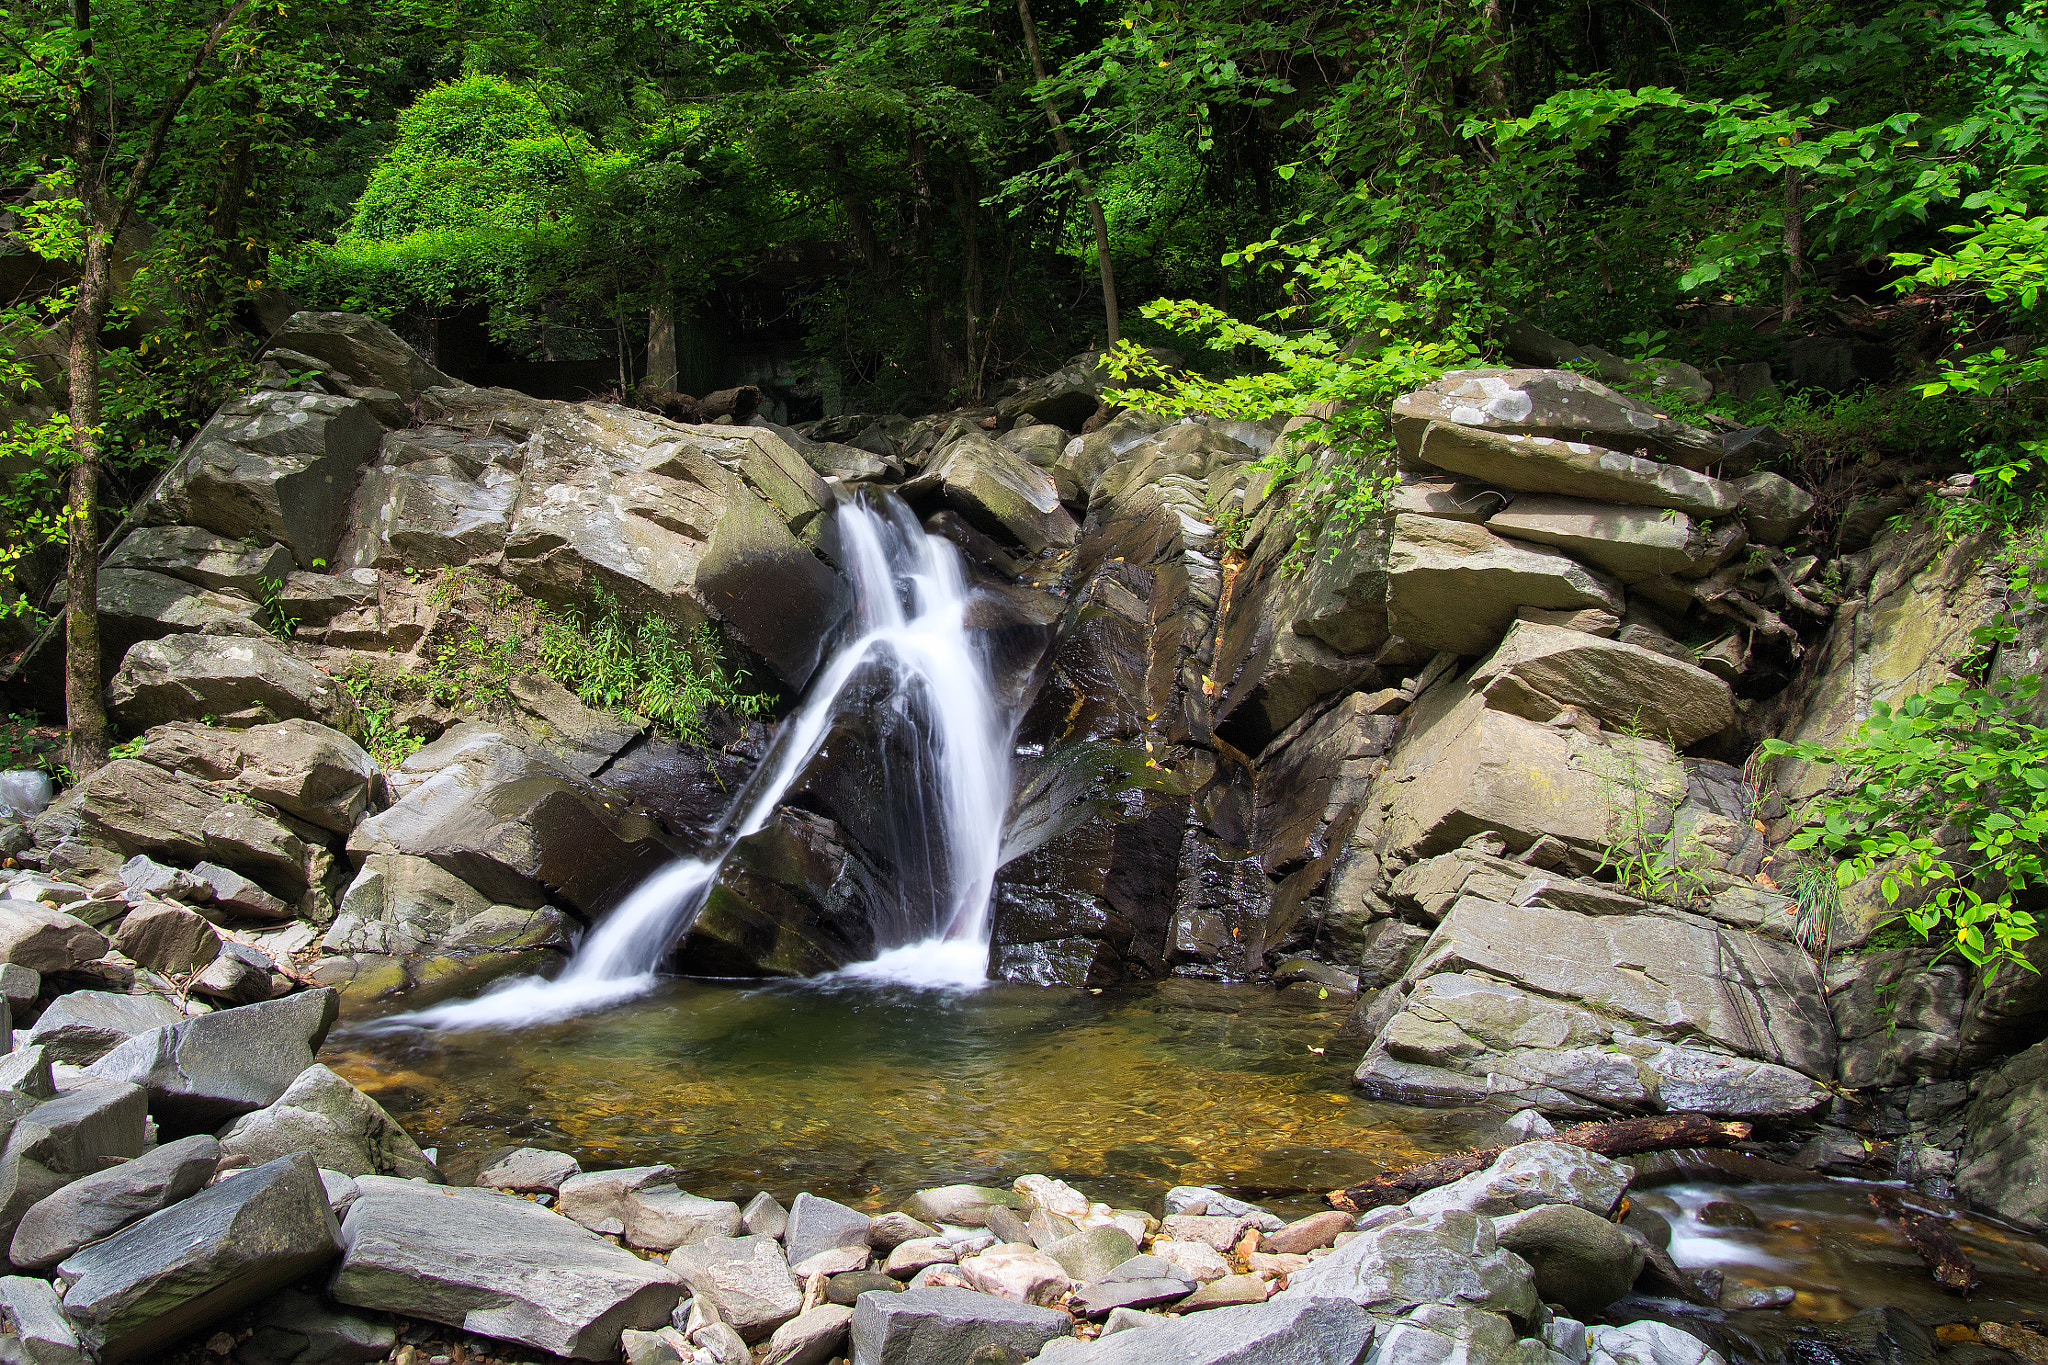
(867,1092)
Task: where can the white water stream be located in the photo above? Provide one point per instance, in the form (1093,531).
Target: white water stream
(910,600)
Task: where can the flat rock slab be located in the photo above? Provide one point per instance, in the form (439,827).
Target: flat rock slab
(529,1170)
(205,1071)
(1538,670)
(1572,469)
(1559,403)
(929,1326)
(84,1026)
(98,1206)
(746,1279)
(1457,587)
(181,1269)
(1296,1331)
(496,1265)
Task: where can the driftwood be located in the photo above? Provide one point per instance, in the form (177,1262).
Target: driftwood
(740,404)
(1945,1258)
(1625,1137)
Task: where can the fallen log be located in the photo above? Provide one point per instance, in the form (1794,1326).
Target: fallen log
(1624,1137)
(1943,1256)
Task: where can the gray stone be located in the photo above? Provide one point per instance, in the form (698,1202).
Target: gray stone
(304,769)
(888,1231)
(359,351)
(344,1129)
(189,1265)
(1690,1080)
(597,1199)
(529,1170)
(26,1071)
(817,1225)
(1773,508)
(1442,1257)
(1553,402)
(272,466)
(35,1318)
(1632,543)
(1527,1176)
(746,1280)
(963,1205)
(764,1217)
(1230,1291)
(168,938)
(83,1026)
(1106,1297)
(493,1264)
(2007,1127)
(235,894)
(1572,469)
(246,678)
(45,940)
(662,1218)
(1128,1319)
(1092,1253)
(203,1072)
(240,975)
(1183,1198)
(1001,493)
(1581,1260)
(1538,670)
(144,876)
(1306,1331)
(928,1326)
(61,1140)
(298,1329)
(1648,1343)
(342,1191)
(101,1204)
(1680,975)
(19,985)
(834,1261)
(810,1338)
(250,838)
(905,1259)
(663,1346)
(201,558)
(1456,587)
(847,1289)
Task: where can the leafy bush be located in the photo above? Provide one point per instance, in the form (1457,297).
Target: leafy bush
(647,665)
(1949,799)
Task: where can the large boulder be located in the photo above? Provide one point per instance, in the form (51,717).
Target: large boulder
(360,351)
(999,491)
(343,1128)
(202,558)
(1456,587)
(1572,469)
(434,497)
(1463,768)
(198,1261)
(502,817)
(272,466)
(1418,1261)
(1581,1260)
(684,522)
(101,1204)
(61,1140)
(1632,543)
(34,936)
(1673,976)
(301,767)
(81,1027)
(1539,670)
(496,1265)
(1553,403)
(230,677)
(2007,1126)
(205,1071)
(745,1280)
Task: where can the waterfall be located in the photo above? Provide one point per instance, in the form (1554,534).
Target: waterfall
(910,605)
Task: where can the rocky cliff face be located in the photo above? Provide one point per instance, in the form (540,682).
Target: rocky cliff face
(1474,764)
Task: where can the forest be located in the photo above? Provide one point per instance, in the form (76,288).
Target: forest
(904,206)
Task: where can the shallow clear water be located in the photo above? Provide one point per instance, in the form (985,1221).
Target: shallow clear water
(866,1092)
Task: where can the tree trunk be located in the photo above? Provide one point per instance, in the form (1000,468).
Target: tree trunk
(940,366)
(969,204)
(85,708)
(1073,160)
(1624,1137)
(662,362)
(1795,238)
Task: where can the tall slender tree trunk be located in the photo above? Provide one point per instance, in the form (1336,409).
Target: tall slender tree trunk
(940,363)
(969,203)
(663,364)
(1795,237)
(85,708)
(1073,160)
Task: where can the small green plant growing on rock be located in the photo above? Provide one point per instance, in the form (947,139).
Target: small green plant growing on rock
(648,665)
(1947,796)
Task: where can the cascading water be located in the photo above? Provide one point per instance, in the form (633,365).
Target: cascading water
(910,602)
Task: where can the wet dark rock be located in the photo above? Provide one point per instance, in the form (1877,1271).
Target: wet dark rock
(198,1261)
(297,1329)
(205,1071)
(1581,1260)
(795,899)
